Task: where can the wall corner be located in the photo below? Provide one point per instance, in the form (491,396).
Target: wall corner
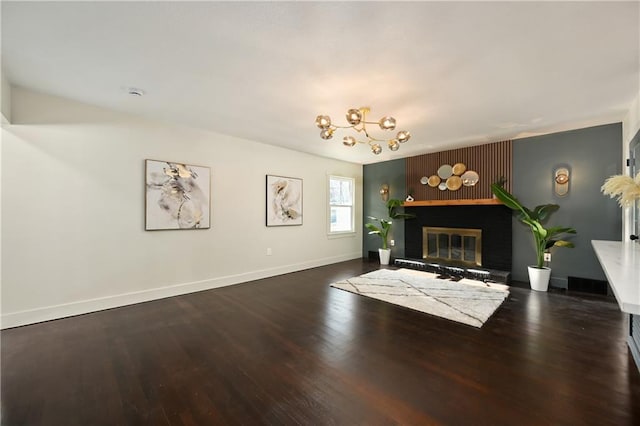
(5,96)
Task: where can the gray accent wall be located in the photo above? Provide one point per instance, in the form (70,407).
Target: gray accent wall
(591,155)
(374,175)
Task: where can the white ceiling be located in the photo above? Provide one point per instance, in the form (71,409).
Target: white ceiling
(453,74)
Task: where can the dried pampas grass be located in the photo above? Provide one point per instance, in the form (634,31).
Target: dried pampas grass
(625,188)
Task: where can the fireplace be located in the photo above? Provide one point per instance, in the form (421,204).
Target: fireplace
(460,246)
(494,223)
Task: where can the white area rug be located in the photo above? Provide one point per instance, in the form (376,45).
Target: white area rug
(467,301)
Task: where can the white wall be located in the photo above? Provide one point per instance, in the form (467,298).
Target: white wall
(73,211)
(5,100)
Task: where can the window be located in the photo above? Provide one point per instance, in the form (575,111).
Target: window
(341,211)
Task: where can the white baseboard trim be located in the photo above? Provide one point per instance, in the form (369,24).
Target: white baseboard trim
(47,313)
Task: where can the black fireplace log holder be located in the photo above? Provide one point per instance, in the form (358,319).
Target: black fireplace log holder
(456,273)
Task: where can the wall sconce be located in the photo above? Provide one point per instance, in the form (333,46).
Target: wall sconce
(384,192)
(561,181)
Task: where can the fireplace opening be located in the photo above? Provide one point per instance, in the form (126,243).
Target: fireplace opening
(459,246)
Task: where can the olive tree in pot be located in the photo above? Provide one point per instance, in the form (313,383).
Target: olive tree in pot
(383,226)
(544,238)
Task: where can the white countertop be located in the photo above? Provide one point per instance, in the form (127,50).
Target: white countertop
(621,264)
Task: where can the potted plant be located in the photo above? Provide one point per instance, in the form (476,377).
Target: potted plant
(544,238)
(383,226)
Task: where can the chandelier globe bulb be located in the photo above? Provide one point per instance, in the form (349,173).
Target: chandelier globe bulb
(349,141)
(354,116)
(387,123)
(323,121)
(326,133)
(403,136)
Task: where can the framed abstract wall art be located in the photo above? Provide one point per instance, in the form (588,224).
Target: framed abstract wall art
(177,196)
(284,201)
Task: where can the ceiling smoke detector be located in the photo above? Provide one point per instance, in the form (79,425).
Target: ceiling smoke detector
(135,92)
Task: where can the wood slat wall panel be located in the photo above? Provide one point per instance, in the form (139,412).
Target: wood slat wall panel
(490,161)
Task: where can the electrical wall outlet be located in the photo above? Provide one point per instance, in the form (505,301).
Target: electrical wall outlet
(269,252)
(547,257)
(392,243)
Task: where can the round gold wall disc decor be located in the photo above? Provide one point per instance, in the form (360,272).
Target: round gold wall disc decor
(459,169)
(434,181)
(470,178)
(454,183)
(445,171)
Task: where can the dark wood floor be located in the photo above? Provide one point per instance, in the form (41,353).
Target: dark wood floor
(291,350)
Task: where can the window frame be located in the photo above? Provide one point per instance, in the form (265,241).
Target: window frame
(352,181)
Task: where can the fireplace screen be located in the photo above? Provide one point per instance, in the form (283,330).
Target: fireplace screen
(453,245)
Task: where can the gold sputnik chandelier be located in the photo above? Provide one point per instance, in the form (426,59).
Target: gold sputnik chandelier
(357,118)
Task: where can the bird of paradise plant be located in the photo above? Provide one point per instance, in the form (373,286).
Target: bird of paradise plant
(544,238)
(385,224)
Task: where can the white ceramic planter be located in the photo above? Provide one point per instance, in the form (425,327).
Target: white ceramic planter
(385,255)
(539,278)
